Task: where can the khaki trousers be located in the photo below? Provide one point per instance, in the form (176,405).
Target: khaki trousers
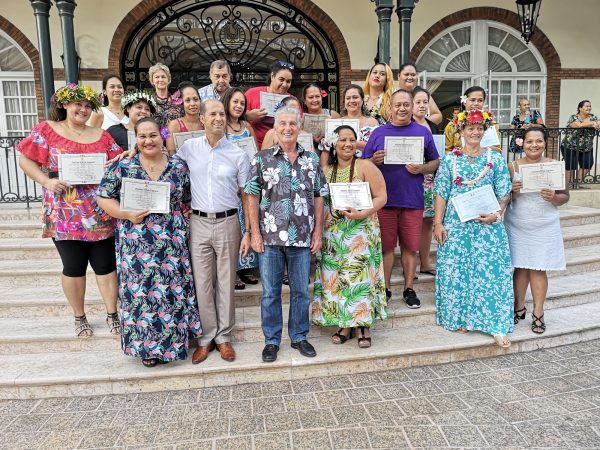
(214,247)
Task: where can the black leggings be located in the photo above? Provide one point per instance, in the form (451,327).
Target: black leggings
(76,254)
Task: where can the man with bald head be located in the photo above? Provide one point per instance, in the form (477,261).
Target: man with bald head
(218,172)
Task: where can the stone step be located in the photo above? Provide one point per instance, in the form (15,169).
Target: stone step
(88,373)
(21,229)
(29,334)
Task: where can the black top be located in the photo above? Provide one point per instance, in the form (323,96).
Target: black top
(119,134)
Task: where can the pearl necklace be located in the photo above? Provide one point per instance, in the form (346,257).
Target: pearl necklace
(458,180)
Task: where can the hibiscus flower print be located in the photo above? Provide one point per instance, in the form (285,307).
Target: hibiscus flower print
(305,163)
(300,206)
(269,223)
(271,176)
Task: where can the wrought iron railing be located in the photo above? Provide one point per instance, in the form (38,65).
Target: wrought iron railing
(561,146)
(15,186)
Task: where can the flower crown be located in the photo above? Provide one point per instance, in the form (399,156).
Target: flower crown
(76,93)
(474,116)
(135,96)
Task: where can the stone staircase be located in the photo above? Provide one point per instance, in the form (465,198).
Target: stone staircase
(41,357)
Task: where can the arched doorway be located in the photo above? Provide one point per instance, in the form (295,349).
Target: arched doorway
(188,35)
(490,54)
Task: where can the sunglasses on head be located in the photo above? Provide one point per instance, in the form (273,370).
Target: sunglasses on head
(285,64)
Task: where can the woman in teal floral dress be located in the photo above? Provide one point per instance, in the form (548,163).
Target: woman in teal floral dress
(158,303)
(349,287)
(473,288)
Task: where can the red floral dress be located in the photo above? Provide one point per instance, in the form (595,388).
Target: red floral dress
(73,215)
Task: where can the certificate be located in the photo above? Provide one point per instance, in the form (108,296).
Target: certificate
(131,140)
(87,168)
(143,195)
(248,144)
(314,124)
(332,124)
(180,138)
(306,140)
(350,195)
(403,150)
(440,144)
(471,204)
(269,101)
(550,175)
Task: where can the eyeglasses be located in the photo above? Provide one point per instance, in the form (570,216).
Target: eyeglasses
(285,64)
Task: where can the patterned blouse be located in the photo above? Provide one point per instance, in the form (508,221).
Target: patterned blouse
(287,192)
(166,110)
(73,215)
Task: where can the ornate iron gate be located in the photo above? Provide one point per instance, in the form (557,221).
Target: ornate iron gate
(187,35)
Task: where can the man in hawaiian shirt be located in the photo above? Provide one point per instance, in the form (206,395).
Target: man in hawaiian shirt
(220,76)
(288,183)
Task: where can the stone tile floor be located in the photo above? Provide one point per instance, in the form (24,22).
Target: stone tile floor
(541,399)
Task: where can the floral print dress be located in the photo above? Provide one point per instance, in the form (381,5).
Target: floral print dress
(473,286)
(349,289)
(156,288)
(73,215)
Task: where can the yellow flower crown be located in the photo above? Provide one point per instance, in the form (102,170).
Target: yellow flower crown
(474,116)
(76,93)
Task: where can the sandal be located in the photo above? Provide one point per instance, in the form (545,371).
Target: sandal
(363,342)
(249,278)
(502,340)
(82,327)
(114,323)
(537,326)
(339,338)
(286,280)
(239,284)
(462,330)
(520,314)
(150,362)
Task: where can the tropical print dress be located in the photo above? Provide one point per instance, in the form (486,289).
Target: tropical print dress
(156,286)
(250,261)
(349,288)
(73,215)
(473,286)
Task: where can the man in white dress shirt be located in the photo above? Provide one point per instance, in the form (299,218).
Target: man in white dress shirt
(220,77)
(218,173)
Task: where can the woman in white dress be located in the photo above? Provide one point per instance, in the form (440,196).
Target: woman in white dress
(533,226)
(111,113)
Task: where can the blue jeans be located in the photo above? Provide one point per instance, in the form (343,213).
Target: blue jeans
(272,263)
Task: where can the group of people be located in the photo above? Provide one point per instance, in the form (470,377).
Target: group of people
(174,274)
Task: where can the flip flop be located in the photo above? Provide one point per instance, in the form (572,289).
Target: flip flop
(428,272)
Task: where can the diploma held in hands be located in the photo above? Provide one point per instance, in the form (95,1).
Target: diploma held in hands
(471,204)
(87,168)
(305,140)
(143,195)
(332,124)
(314,124)
(247,144)
(350,195)
(550,175)
(269,101)
(180,138)
(403,150)
(131,140)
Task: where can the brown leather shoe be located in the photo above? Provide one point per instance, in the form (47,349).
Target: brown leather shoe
(227,351)
(201,353)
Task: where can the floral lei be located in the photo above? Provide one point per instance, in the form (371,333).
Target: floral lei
(76,93)
(458,180)
(474,116)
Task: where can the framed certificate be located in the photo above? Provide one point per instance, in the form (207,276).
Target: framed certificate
(306,140)
(314,124)
(248,144)
(143,195)
(180,138)
(471,204)
(269,101)
(350,195)
(403,150)
(131,140)
(550,175)
(87,168)
(332,124)
(440,144)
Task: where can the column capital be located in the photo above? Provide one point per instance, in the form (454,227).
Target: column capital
(41,7)
(65,7)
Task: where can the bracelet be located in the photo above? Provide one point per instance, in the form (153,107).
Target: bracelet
(498,217)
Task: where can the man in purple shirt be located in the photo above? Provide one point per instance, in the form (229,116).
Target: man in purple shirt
(401,218)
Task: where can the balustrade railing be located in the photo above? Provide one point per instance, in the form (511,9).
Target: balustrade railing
(15,186)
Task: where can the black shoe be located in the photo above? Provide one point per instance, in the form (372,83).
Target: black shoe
(388,293)
(305,348)
(411,299)
(269,353)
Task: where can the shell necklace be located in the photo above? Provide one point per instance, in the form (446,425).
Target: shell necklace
(459,181)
